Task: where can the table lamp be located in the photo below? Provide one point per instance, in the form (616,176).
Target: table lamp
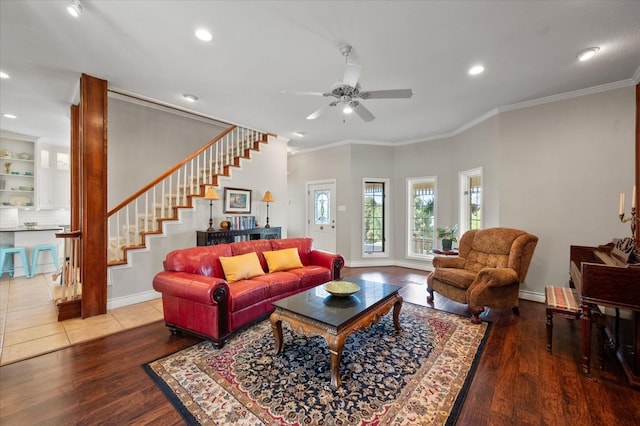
(268,198)
(211,195)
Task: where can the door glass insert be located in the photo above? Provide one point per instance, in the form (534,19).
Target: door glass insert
(322,200)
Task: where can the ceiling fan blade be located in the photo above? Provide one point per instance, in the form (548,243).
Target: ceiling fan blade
(298,92)
(363,112)
(317,113)
(351,75)
(387,94)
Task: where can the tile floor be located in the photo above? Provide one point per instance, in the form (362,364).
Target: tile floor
(29,325)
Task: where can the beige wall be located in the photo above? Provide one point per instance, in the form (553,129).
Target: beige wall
(145,141)
(555,170)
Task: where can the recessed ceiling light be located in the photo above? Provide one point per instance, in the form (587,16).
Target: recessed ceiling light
(204,35)
(300,134)
(190,98)
(588,53)
(75,8)
(476,69)
(9,116)
(4,74)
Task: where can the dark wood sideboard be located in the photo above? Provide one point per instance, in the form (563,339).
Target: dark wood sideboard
(225,236)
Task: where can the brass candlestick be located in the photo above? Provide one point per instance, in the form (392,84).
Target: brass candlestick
(633,219)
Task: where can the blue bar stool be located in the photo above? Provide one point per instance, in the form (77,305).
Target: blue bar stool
(44,247)
(10,251)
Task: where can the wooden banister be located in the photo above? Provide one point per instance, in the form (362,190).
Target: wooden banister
(169,172)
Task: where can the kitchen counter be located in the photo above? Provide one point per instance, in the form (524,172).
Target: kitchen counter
(35,228)
(21,236)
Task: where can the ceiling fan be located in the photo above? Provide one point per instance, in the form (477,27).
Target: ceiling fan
(349,94)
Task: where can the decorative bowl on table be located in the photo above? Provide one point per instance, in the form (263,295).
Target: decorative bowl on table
(341,288)
(30,224)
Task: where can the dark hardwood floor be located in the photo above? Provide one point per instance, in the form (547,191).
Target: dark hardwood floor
(517,382)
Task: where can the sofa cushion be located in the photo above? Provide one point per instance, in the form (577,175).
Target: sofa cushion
(277,283)
(241,267)
(245,293)
(302,244)
(198,260)
(282,260)
(311,275)
(253,246)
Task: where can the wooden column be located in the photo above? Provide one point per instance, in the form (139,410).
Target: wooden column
(93,195)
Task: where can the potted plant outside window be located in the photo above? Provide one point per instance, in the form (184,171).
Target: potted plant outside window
(448,236)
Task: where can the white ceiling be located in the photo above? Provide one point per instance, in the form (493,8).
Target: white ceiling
(260,48)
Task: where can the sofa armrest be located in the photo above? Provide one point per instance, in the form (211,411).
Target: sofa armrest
(448,262)
(199,288)
(334,262)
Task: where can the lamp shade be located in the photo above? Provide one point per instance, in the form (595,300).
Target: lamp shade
(268,198)
(211,194)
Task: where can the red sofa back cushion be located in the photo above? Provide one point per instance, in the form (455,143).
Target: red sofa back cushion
(198,260)
(302,244)
(257,246)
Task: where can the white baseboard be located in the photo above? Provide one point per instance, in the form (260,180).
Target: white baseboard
(531,295)
(119,302)
(419,265)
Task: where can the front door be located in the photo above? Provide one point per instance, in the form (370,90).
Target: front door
(321,214)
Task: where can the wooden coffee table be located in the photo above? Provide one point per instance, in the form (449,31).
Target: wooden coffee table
(315,312)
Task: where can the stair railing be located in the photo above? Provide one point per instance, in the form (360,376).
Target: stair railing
(144,212)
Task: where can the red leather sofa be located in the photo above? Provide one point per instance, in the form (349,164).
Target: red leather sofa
(198,300)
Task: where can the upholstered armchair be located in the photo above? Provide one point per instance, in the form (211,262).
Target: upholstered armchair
(488,270)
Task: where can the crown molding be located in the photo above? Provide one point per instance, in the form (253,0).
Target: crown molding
(568,95)
(520,105)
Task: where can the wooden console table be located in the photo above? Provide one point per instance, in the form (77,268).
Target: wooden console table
(225,236)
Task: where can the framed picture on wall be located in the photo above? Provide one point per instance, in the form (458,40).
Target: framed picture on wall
(237,200)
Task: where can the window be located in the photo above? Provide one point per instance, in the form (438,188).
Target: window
(421,196)
(471,211)
(374,210)
(321,207)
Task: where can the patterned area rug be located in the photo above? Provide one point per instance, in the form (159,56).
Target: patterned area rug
(416,376)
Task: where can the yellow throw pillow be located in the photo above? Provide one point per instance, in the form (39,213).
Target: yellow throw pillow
(282,260)
(241,267)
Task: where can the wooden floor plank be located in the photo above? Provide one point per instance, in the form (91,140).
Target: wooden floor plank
(517,381)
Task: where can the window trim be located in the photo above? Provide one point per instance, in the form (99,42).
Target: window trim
(387,190)
(463,179)
(409,214)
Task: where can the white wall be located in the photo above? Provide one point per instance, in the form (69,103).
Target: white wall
(562,168)
(265,171)
(146,140)
(332,163)
(555,170)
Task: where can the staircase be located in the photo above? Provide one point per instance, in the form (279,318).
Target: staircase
(146,212)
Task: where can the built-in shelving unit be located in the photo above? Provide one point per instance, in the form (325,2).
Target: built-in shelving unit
(17,172)
(226,236)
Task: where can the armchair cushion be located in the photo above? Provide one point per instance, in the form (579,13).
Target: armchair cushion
(460,278)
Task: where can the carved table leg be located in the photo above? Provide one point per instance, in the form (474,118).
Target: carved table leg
(396,312)
(336,344)
(276,326)
(586,338)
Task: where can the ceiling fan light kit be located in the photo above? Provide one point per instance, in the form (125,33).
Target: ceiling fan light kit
(349,91)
